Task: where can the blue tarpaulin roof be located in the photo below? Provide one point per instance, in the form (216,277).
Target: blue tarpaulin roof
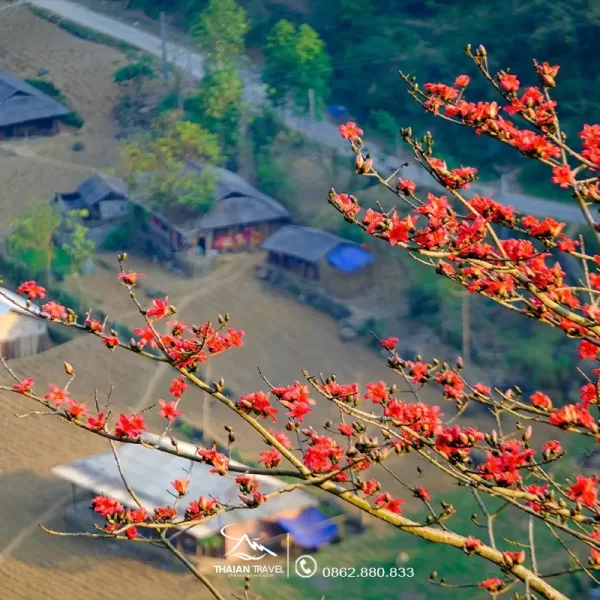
(312,529)
(349,257)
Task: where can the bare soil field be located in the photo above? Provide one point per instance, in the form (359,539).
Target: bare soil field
(37,168)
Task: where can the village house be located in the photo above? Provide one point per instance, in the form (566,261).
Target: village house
(105,198)
(319,259)
(241,219)
(149,473)
(25,110)
(21,334)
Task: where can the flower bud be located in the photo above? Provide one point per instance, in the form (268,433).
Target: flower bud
(68,368)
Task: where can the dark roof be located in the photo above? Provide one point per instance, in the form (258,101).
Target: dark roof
(21,102)
(98,186)
(305,243)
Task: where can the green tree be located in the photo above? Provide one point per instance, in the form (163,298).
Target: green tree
(217,106)
(136,73)
(32,237)
(158,165)
(79,248)
(296,60)
(220,30)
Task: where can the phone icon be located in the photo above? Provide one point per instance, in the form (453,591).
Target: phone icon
(305,566)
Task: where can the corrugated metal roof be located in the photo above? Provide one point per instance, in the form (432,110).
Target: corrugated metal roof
(239,210)
(305,243)
(150,472)
(11,302)
(21,102)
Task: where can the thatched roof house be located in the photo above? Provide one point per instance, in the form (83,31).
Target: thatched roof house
(25,110)
(21,334)
(241,218)
(103,196)
(150,472)
(341,267)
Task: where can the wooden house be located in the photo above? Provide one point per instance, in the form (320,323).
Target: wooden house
(25,110)
(21,334)
(104,197)
(341,268)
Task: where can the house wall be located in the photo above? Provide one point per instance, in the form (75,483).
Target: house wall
(345,285)
(33,128)
(112,209)
(242,238)
(21,335)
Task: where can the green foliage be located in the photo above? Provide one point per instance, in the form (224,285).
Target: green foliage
(73,119)
(157,163)
(79,249)
(217,107)
(220,30)
(296,61)
(136,72)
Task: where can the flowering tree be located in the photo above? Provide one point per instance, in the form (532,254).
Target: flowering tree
(458,237)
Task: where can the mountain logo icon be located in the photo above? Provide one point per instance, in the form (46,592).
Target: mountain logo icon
(259,551)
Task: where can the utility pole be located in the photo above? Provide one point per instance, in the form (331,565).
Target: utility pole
(312,116)
(163,37)
(466,324)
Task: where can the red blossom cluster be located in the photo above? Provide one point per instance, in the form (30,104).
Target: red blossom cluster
(502,465)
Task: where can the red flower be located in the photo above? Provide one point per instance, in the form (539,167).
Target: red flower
(110,341)
(462,81)
(563,176)
(146,336)
(350,131)
(471,544)
(492,585)
(406,186)
(540,400)
(32,290)
(257,403)
(513,558)
(23,387)
(57,395)
(509,82)
(180,486)
(377,392)
(169,410)
(370,487)
(282,438)
(54,311)
(162,514)
(203,507)
(548,73)
(76,409)
(345,429)
(160,309)
(178,386)
(540,492)
(482,389)
(386,502)
(130,278)
(106,507)
(552,448)
(217,459)
(130,427)
(96,423)
(389,343)
(347,204)
(584,490)
(423,493)
(93,325)
(270,458)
